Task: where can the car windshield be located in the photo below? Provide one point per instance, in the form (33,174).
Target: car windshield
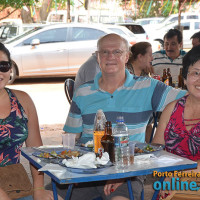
(22,35)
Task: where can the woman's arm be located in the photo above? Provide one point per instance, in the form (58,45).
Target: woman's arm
(34,140)
(3,195)
(164,119)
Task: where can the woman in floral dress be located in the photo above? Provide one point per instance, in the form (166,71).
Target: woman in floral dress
(179,125)
(18,124)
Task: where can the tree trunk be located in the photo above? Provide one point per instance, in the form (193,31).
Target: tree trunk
(26,16)
(45,9)
(68,12)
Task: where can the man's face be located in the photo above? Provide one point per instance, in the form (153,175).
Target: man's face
(112,55)
(172,47)
(195,42)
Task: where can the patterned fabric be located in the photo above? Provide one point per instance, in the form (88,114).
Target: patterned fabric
(162,61)
(135,101)
(178,139)
(130,68)
(13,132)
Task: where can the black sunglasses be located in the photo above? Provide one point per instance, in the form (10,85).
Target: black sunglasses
(5,66)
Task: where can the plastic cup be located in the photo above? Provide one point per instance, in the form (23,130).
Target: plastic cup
(132,151)
(68,140)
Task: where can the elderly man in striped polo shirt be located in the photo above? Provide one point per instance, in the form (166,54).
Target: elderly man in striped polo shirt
(172,55)
(117,93)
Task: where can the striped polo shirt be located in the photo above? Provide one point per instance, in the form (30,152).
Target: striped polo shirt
(135,101)
(162,61)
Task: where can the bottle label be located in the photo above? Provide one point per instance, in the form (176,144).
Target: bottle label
(166,81)
(97,140)
(121,141)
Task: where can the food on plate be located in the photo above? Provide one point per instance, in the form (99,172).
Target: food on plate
(69,153)
(45,155)
(138,150)
(63,154)
(145,149)
(149,148)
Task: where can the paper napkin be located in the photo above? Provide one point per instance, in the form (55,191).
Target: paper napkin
(86,161)
(53,168)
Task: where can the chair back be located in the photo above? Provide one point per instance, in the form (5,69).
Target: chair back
(155,124)
(69,89)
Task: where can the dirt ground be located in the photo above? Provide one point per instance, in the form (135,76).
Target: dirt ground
(51,135)
(52,106)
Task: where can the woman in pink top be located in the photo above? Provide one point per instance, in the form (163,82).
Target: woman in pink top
(179,125)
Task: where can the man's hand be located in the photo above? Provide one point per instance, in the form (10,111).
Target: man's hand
(112,185)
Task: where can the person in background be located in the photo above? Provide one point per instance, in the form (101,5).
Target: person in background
(195,39)
(19,124)
(139,64)
(116,92)
(140,59)
(87,71)
(172,55)
(179,125)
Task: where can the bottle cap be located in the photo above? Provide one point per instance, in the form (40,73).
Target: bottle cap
(120,119)
(109,124)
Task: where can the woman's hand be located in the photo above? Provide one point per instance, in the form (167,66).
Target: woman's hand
(44,195)
(3,195)
(112,185)
(164,193)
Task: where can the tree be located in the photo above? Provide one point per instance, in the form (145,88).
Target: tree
(16,4)
(156,8)
(44,10)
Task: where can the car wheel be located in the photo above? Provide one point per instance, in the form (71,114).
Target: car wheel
(13,74)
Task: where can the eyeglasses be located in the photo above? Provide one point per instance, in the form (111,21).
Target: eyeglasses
(104,53)
(5,66)
(194,74)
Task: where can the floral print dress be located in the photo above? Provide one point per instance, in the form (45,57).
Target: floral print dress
(178,140)
(13,132)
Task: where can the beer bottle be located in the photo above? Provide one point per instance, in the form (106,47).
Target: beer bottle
(165,77)
(99,126)
(169,76)
(180,79)
(107,141)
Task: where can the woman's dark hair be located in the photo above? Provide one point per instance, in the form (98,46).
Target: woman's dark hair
(6,51)
(138,48)
(190,59)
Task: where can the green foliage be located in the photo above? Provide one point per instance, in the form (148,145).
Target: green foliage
(61,3)
(155,9)
(16,3)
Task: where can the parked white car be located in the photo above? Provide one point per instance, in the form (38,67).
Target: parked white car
(149,21)
(138,31)
(174,18)
(189,28)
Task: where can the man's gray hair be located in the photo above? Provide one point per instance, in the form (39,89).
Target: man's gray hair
(126,43)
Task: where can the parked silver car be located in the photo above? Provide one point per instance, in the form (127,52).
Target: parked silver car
(54,50)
